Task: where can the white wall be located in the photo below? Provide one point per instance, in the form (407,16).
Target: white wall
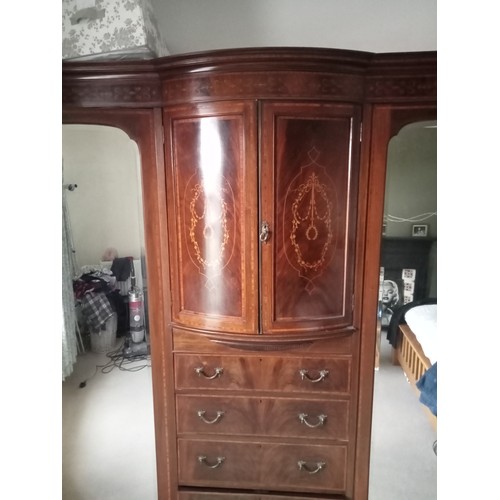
(411,181)
(368,25)
(411,186)
(106,207)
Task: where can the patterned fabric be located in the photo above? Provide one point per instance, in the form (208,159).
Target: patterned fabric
(96,309)
(113,26)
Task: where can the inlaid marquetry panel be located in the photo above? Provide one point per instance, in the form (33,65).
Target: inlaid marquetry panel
(107,94)
(404,88)
(310,156)
(213,259)
(262,85)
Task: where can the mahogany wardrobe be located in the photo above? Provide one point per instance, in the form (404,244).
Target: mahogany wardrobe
(263,173)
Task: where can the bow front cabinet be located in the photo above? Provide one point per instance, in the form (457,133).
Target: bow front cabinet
(262,210)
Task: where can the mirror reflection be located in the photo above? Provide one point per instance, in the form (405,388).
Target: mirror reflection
(403,427)
(409,231)
(107,383)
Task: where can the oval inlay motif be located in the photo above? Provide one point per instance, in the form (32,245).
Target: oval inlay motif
(210,235)
(309,215)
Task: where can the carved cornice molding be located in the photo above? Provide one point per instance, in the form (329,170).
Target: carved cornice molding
(118,94)
(253,73)
(402,77)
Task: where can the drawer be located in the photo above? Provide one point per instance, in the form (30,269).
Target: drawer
(263,416)
(250,373)
(219,495)
(272,466)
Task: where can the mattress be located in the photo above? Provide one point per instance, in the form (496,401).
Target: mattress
(423,322)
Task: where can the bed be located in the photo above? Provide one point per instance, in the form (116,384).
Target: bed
(412,332)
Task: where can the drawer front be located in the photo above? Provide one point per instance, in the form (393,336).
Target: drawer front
(219,495)
(263,416)
(312,375)
(250,465)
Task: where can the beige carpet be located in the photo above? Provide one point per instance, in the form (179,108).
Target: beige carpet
(403,463)
(108,436)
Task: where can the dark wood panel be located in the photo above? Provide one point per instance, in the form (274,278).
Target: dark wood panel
(262,465)
(329,375)
(263,416)
(402,77)
(118,84)
(196,341)
(309,185)
(264,85)
(212,209)
(188,494)
(331,74)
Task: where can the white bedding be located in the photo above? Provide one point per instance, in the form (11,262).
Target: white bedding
(423,322)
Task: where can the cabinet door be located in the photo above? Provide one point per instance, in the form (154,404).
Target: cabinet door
(309,175)
(212,205)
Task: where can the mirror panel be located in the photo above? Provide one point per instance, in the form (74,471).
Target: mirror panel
(106,205)
(411,187)
(143,127)
(398,416)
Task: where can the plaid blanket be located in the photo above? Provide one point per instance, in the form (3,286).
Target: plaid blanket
(96,309)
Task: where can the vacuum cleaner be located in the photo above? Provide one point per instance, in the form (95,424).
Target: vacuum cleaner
(136,344)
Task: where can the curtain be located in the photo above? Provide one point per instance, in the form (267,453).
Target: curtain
(69,340)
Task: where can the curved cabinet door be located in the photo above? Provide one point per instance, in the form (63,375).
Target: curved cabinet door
(212,204)
(309,176)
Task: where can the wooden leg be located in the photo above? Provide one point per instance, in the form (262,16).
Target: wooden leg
(394,357)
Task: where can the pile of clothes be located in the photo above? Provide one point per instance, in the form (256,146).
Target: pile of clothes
(96,292)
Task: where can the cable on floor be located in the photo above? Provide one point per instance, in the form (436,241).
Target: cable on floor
(118,360)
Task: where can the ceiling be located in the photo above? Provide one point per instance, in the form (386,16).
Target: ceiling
(367,25)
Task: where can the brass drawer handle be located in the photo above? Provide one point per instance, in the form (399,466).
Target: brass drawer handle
(201,372)
(321,420)
(219,415)
(305,375)
(303,466)
(203,460)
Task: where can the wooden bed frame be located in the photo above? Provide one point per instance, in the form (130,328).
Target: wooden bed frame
(410,355)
